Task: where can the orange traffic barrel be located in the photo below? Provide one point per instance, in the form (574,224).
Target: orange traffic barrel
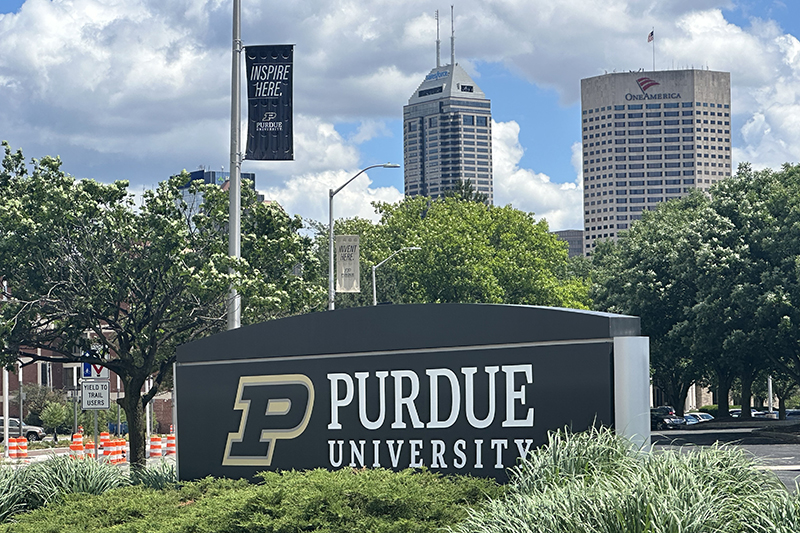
(104,438)
(170,445)
(76,448)
(155,446)
(13,448)
(88,449)
(111,451)
(22,444)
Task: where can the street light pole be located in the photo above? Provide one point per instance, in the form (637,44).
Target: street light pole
(375,267)
(234,306)
(331,194)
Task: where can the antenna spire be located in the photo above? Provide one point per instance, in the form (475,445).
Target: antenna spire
(452,38)
(438,42)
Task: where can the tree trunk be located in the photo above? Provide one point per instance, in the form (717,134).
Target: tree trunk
(782,408)
(677,397)
(723,391)
(134,411)
(747,394)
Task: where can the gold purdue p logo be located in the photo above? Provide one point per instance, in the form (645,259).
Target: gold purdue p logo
(273,408)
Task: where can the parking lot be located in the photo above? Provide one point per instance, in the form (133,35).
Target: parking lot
(775,452)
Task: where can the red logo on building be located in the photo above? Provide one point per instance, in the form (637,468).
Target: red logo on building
(646,83)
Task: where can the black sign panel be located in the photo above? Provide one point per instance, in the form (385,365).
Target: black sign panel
(395,387)
(269,102)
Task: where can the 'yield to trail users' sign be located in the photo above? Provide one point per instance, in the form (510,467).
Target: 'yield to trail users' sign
(95,395)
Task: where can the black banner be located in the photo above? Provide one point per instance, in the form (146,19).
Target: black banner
(269,102)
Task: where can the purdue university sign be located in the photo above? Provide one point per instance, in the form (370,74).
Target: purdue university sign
(456,388)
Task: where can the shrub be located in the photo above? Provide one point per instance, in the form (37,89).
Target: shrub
(596,482)
(366,500)
(54,415)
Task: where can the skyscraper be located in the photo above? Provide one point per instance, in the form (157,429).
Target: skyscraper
(447,133)
(208,177)
(650,137)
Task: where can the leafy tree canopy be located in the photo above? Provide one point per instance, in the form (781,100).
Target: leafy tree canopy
(86,268)
(469,252)
(715,281)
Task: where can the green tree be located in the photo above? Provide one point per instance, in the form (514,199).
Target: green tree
(464,190)
(36,397)
(54,415)
(651,272)
(469,252)
(85,267)
(719,275)
(765,207)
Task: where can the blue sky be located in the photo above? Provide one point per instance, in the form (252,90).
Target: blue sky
(140,89)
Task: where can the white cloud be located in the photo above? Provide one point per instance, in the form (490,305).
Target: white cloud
(307,195)
(370,129)
(124,83)
(559,203)
(306,182)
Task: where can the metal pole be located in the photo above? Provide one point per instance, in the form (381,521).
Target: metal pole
(769,392)
(147,412)
(374,291)
(6,421)
(21,400)
(74,402)
(331,194)
(119,410)
(96,456)
(375,267)
(234,190)
(331,288)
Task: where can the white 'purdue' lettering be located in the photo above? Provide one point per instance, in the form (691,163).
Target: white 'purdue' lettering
(407,390)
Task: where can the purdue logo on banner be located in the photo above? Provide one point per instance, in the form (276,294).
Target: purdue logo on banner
(348,274)
(269,102)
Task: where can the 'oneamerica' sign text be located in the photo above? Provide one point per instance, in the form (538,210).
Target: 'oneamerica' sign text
(658,96)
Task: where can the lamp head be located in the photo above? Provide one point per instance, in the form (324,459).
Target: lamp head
(390,165)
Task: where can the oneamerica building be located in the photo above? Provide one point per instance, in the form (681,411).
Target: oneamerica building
(650,137)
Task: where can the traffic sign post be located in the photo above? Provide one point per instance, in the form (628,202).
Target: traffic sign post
(95,396)
(91,371)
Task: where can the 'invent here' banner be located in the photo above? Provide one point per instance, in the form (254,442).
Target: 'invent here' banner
(269,102)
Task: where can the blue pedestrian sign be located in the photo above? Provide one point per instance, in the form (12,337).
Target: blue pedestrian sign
(92,371)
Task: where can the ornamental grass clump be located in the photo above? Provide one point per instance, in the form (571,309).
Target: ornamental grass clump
(596,482)
(60,475)
(11,497)
(159,476)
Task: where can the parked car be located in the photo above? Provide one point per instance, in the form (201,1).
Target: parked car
(112,427)
(704,417)
(691,419)
(663,417)
(755,413)
(32,433)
